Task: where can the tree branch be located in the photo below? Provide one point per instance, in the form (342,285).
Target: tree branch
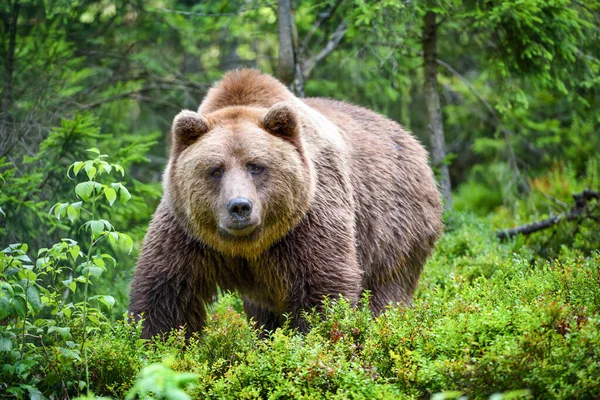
(588,9)
(196,14)
(581,202)
(131,93)
(334,41)
(324,17)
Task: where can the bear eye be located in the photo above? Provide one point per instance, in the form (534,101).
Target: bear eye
(255,169)
(216,172)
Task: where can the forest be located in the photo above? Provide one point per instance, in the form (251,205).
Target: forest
(505,96)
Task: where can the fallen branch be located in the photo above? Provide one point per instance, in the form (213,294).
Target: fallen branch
(581,202)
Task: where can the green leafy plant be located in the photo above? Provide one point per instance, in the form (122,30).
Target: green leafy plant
(46,320)
(159,381)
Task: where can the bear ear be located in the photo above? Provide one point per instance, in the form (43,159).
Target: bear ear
(281,120)
(188,126)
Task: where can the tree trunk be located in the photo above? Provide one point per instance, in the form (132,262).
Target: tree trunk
(9,65)
(432,101)
(286,67)
(298,84)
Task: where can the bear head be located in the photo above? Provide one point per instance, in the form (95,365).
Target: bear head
(239,177)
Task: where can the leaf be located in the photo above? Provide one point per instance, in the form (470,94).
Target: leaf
(65,331)
(7,288)
(4,306)
(76,167)
(33,297)
(74,354)
(107,224)
(107,167)
(5,344)
(67,310)
(120,169)
(93,150)
(108,301)
(113,238)
(34,393)
(59,210)
(72,213)
(111,195)
(84,190)
(20,305)
(99,261)
(96,227)
(449,394)
(92,270)
(123,192)
(126,242)
(90,170)
(74,251)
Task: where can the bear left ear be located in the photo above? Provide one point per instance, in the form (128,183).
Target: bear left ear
(281,120)
(188,126)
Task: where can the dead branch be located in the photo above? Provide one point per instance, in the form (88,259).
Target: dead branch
(577,211)
(334,40)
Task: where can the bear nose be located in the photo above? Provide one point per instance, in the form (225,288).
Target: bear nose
(240,208)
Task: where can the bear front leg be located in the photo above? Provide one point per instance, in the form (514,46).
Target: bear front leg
(264,319)
(321,258)
(168,288)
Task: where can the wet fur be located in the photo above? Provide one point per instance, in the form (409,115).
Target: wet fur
(355,208)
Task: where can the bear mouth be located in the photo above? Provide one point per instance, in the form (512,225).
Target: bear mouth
(238,230)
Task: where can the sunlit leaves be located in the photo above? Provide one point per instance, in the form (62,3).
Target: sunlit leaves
(121,239)
(123,192)
(108,301)
(73,210)
(85,190)
(111,195)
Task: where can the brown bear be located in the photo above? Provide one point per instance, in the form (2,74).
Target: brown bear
(285,200)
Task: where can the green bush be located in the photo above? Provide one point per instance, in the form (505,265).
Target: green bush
(46,308)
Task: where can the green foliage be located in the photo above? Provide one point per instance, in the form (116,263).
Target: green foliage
(486,322)
(45,325)
(159,381)
(27,192)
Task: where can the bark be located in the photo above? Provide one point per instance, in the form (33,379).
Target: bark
(286,67)
(432,102)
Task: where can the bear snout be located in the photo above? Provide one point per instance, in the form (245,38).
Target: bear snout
(241,218)
(240,208)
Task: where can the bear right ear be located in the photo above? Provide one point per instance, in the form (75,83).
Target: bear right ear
(281,121)
(188,126)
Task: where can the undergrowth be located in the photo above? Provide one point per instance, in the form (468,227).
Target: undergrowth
(490,318)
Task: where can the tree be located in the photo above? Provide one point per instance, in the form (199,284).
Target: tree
(286,68)
(432,102)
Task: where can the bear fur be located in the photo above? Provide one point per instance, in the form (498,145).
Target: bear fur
(342,200)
